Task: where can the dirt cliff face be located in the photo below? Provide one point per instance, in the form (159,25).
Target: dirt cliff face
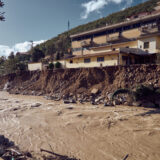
(81,80)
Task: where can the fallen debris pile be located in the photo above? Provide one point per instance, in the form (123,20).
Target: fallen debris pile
(94,85)
(8,151)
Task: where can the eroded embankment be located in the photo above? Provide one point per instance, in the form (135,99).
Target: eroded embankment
(82,80)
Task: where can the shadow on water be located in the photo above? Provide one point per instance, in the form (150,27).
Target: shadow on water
(150,112)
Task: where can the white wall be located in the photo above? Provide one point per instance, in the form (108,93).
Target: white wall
(34,66)
(152,44)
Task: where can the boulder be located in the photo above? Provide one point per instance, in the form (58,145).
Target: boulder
(72,101)
(35,105)
(116,102)
(99,99)
(109,96)
(66,101)
(6,86)
(94,91)
(108,103)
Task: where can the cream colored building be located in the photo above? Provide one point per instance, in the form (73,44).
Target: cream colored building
(131,42)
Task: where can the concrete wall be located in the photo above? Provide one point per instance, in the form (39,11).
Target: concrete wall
(132,33)
(77,44)
(109,60)
(34,66)
(158,43)
(77,53)
(152,44)
(100,39)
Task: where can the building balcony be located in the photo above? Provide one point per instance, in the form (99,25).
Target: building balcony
(112,39)
(149,30)
(85,43)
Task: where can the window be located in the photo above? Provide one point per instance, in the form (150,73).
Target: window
(87,60)
(100,59)
(146,45)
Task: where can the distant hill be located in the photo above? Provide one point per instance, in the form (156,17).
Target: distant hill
(58,46)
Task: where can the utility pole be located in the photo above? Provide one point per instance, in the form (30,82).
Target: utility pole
(31,44)
(68,25)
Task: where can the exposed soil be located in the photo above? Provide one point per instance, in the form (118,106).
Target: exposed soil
(84,131)
(82,80)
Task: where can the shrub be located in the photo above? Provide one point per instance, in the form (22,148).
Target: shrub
(58,65)
(51,66)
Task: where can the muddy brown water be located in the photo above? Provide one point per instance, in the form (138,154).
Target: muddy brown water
(84,131)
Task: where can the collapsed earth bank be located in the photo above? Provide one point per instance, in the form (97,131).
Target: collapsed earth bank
(62,82)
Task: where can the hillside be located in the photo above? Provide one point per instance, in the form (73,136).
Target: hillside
(58,46)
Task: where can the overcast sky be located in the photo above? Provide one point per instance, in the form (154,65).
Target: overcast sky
(40,20)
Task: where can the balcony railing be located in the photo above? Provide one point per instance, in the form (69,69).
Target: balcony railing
(85,43)
(112,39)
(149,30)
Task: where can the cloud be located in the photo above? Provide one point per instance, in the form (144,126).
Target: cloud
(128,4)
(97,5)
(19,47)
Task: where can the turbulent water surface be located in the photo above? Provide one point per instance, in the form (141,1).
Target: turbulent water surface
(84,131)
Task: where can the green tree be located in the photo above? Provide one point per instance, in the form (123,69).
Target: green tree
(57,56)
(58,65)
(2,60)
(11,56)
(37,55)
(51,66)
(50,50)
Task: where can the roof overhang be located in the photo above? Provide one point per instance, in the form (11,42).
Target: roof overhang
(96,54)
(135,51)
(136,20)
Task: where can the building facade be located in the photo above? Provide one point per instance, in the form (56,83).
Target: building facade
(134,41)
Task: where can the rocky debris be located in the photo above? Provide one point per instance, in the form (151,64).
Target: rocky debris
(9,151)
(35,105)
(55,156)
(89,86)
(116,102)
(108,103)
(94,91)
(109,96)
(67,101)
(7,86)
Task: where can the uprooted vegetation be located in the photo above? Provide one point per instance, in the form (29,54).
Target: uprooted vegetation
(8,151)
(143,95)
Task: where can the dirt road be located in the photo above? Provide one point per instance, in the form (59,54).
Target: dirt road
(84,131)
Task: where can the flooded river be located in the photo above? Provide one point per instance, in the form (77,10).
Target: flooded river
(85,131)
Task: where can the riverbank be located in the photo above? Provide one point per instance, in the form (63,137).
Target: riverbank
(85,131)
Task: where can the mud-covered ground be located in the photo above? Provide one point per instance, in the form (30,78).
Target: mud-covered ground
(85,131)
